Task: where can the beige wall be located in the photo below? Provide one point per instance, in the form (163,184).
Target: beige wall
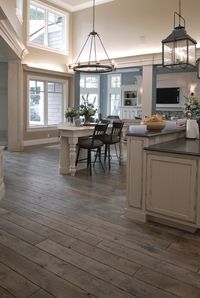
(130,27)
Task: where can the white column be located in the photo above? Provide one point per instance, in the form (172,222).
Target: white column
(15,106)
(147,90)
(2,186)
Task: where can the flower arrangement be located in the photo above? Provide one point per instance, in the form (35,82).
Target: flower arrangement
(192,107)
(70,113)
(87,109)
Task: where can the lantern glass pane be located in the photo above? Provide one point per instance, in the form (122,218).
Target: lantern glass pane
(192,53)
(168,53)
(180,52)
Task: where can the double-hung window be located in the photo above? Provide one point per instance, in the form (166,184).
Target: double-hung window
(114,94)
(45,102)
(89,86)
(47,27)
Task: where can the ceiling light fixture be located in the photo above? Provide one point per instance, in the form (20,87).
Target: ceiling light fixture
(179,49)
(93,65)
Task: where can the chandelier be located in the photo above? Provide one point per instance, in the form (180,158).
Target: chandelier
(93,65)
(179,49)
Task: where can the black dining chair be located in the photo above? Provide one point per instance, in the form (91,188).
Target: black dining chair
(93,143)
(112,138)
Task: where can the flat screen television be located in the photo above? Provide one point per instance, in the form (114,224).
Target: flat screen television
(167,95)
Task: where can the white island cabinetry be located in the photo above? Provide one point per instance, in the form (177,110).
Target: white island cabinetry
(163,175)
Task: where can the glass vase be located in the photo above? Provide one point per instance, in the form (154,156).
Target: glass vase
(192,129)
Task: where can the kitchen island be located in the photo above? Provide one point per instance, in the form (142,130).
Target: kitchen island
(162,177)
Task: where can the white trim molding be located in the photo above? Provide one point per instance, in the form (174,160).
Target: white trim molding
(8,34)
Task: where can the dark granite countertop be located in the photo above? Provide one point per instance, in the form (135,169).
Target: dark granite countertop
(179,146)
(141,130)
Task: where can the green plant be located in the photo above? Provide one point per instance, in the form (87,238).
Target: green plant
(87,108)
(70,113)
(192,107)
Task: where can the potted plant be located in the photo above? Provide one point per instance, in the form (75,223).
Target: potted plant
(191,112)
(87,109)
(70,113)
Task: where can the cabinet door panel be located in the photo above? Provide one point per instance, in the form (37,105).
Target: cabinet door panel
(171,186)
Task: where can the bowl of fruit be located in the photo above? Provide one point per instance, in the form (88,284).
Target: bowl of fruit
(154,123)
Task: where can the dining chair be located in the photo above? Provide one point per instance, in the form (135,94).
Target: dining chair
(112,138)
(93,143)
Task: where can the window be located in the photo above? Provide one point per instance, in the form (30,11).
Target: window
(46,102)
(89,84)
(115,81)
(47,28)
(114,94)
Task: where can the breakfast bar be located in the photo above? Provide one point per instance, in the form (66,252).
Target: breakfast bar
(162,177)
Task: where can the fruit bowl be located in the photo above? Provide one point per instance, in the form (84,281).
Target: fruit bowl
(155,125)
(154,122)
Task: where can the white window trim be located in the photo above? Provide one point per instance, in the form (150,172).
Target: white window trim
(65,34)
(64,102)
(19,10)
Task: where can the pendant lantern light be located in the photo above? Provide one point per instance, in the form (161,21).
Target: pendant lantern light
(179,48)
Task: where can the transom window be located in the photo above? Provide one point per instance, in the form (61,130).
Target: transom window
(47,27)
(46,102)
(115,81)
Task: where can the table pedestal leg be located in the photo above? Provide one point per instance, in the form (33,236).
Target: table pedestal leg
(64,156)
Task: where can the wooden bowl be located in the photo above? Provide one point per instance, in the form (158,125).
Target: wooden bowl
(155,126)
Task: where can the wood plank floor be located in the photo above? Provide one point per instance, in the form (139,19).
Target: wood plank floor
(66,237)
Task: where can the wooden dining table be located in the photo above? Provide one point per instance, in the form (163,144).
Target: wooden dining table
(68,142)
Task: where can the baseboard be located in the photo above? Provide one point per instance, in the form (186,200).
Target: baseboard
(41,141)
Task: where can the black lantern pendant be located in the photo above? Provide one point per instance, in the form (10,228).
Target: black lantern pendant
(179,49)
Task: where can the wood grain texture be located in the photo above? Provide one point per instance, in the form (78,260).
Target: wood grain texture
(67,237)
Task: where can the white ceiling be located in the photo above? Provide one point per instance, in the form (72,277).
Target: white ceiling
(75,5)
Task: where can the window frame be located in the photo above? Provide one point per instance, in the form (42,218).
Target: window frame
(113,90)
(84,90)
(65,33)
(64,102)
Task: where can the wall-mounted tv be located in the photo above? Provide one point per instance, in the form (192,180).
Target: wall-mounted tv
(167,95)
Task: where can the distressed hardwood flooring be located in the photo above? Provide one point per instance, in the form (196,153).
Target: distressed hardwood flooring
(66,237)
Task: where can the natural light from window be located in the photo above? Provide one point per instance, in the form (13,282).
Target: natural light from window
(46,102)
(47,28)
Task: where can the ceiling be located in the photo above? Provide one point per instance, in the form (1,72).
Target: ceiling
(75,5)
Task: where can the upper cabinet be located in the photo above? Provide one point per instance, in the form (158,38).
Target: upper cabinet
(129,95)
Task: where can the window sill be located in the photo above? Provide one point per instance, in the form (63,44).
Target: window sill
(41,128)
(45,48)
